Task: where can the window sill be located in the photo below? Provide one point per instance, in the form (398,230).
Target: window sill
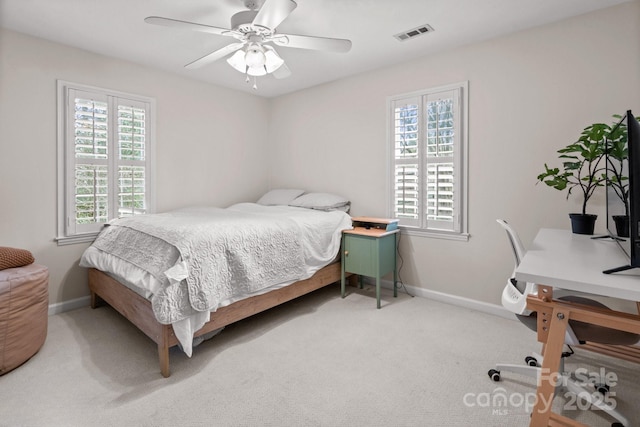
(446,235)
(78,238)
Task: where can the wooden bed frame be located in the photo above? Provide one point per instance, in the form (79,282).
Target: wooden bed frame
(138,311)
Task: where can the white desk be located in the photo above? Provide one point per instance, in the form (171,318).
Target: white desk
(560,259)
(575,262)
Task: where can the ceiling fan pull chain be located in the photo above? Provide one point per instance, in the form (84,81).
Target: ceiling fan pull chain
(255,83)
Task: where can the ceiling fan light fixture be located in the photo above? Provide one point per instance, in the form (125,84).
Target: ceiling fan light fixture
(255,57)
(257,71)
(272,59)
(237,61)
(257,60)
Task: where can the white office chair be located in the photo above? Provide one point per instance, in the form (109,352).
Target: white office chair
(514,298)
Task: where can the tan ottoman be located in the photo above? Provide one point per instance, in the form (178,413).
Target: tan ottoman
(24,305)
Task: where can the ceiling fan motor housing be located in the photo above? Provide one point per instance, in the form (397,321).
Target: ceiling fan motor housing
(253,4)
(243,22)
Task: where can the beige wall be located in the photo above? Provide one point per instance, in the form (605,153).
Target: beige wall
(207,152)
(531,93)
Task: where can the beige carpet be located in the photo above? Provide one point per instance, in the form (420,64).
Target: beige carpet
(316,361)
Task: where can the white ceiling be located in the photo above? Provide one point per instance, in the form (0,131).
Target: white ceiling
(116,28)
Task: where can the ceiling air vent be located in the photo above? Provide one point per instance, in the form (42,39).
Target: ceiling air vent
(414,32)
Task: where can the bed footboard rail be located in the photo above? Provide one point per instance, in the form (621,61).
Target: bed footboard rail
(138,310)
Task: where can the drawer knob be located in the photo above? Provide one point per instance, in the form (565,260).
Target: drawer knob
(346,253)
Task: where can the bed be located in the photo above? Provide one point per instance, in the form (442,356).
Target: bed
(183,275)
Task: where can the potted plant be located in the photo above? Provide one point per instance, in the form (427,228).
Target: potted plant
(581,169)
(617,152)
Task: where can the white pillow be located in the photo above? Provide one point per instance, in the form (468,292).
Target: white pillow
(281,196)
(321,201)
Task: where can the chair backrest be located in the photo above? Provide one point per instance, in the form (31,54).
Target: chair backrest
(514,239)
(514,294)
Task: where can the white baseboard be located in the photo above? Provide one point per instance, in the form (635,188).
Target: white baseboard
(484,307)
(73,304)
(496,310)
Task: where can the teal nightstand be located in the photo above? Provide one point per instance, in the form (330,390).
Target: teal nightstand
(369,249)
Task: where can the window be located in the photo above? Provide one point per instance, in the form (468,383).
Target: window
(428,161)
(105,159)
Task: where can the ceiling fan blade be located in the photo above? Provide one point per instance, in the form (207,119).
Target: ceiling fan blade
(310,42)
(273,12)
(175,23)
(282,72)
(214,56)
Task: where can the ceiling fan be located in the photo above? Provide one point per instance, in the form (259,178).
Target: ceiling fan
(255,30)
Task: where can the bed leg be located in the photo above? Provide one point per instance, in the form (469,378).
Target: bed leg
(163,351)
(94,300)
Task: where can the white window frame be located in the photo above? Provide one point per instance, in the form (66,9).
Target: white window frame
(422,226)
(67,230)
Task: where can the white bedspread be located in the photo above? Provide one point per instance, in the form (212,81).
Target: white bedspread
(205,258)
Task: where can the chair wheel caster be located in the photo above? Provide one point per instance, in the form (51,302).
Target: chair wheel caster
(494,375)
(531,361)
(603,389)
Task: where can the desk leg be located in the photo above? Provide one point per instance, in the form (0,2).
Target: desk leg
(378,290)
(551,364)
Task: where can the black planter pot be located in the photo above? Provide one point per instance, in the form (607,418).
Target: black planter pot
(622,225)
(583,224)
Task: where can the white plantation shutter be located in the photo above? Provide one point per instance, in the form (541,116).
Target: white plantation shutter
(107,164)
(428,142)
(440,161)
(88,131)
(132,184)
(406,152)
